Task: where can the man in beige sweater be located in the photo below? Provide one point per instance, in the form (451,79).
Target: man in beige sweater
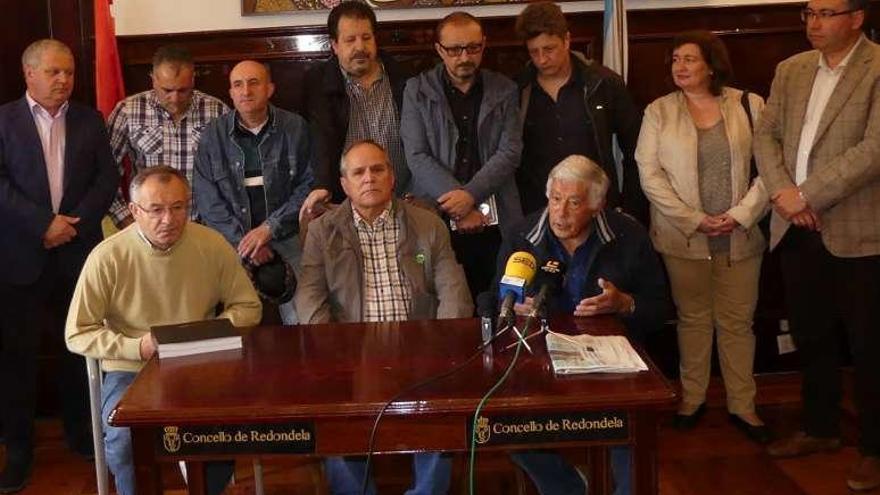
(161,270)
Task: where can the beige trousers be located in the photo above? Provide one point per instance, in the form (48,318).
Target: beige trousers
(715,295)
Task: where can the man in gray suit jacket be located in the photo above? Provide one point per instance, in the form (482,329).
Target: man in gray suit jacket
(818,151)
(462,139)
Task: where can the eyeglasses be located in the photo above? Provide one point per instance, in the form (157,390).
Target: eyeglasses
(824,14)
(157,212)
(454,51)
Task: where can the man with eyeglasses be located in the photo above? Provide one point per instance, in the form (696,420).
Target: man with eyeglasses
(161,126)
(573,106)
(461,134)
(818,152)
(162,270)
(57,179)
(354,95)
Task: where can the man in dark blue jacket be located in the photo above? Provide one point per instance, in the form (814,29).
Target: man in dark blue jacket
(57,179)
(611,268)
(253,172)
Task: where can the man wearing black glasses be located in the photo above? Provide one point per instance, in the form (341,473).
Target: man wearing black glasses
(818,151)
(461,137)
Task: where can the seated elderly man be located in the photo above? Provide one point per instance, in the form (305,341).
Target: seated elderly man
(136,279)
(611,269)
(375,258)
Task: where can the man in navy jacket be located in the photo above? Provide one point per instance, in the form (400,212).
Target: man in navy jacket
(57,179)
(611,268)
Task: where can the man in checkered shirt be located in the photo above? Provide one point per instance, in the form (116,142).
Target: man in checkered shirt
(161,126)
(376,258)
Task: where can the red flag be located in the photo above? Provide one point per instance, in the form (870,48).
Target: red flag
(109,88)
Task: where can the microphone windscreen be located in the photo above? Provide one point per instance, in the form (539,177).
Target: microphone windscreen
(550,275)
(521,264)
(486,304)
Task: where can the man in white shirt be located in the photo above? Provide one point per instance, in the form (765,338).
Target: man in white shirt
(57,178)
(818,151)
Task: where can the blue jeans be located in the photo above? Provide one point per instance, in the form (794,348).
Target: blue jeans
(432,472)
(553,475)
(550,472)
(117,442)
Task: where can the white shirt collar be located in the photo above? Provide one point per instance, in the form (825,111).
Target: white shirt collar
(843,63)
(35,107)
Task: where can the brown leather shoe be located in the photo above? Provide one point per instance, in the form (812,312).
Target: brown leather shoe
(802,444)
(865,475)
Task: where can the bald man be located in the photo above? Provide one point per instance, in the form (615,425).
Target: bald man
(253,171)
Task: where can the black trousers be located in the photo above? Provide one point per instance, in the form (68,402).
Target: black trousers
(477,254)
(27,314)
(824,294)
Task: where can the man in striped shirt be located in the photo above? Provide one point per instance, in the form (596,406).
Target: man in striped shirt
(161,126)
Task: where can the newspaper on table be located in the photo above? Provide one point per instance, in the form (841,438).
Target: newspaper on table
(574,354)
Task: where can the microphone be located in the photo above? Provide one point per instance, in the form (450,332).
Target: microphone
(486,311)
(518,273)
(548,280)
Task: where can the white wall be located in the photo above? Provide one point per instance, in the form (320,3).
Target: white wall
(175,16)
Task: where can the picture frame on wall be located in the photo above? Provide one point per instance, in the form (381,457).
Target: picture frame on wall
(263,7)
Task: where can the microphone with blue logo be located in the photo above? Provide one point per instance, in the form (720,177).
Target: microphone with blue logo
(518,274)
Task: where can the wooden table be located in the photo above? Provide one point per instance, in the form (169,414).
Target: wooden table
(316,389)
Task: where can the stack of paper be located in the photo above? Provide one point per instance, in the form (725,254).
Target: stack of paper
(572,354)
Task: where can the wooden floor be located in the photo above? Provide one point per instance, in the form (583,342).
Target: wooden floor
(713,459)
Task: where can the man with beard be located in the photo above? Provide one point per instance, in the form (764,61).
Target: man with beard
(466,170)
(354,95)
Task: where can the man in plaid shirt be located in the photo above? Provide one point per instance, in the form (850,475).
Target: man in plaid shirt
(161,126)
(377,258)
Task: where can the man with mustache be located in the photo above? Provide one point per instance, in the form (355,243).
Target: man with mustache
(253,171)
(57,178)
(356,94)
(461,133)
(161,126)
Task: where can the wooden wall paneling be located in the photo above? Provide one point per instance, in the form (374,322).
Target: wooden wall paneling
(29,23)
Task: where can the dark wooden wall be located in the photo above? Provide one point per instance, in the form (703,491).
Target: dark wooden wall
(70,21)
(758,38)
